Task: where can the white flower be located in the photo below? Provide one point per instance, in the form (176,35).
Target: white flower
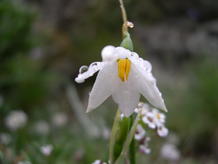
(46,149)
(159,117)
(98,162)
(153,118)
(16,119)
(162,131)
(142,108)
(122,116)
(140,132)
(24,162)
(124,76)
(149,119)
(143,147)
(170,152)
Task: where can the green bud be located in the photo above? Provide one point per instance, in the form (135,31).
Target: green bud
(127,42)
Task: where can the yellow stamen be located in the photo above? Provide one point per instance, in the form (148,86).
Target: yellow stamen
(123,68)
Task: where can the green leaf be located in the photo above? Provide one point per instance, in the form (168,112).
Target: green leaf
(118,137)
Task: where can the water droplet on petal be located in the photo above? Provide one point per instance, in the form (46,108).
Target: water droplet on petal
(130,24)
(83,69)
(94,66)
(134,55)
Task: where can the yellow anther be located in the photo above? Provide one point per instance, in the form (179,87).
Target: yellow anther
(123,68)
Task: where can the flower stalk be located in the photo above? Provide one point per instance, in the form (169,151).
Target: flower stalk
(126,23)
(129,141)
(127,42)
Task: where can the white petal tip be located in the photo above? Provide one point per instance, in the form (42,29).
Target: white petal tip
(164,109)
(89,109)
(79,80)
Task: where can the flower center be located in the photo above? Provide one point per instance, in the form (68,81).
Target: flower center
(123,68)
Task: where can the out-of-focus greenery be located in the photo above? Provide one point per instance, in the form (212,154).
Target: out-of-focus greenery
(42,45)
(23,81)
(195,115)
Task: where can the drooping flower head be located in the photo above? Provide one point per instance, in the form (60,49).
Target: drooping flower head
(124,76)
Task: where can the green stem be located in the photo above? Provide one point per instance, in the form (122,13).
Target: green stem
(132,152)
(113,137)
(130,135)
(124,16)
(129,139)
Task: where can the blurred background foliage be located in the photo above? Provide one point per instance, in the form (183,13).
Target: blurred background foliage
(44,42)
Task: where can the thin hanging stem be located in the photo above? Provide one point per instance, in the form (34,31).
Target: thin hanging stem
(126,23)
(123,11)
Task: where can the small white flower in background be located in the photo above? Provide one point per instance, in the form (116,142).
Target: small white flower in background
(42,127)
(140,132)
(59,119)
(98,162)
(24,162)
(143,147)
(153,119)
(125,76)
(5,138)
(46,150)
(162,131)
(122,116)
(16,119)
(170,152)
(149,119)
(159,117)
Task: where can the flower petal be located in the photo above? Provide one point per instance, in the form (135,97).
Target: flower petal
(127,96)
(86,72)
(107,53)
(105,84)
(147,85)
(127,99)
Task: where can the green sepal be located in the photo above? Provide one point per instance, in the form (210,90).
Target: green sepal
(127,42)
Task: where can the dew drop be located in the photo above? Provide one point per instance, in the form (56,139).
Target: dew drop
(94,64)
(83,69)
